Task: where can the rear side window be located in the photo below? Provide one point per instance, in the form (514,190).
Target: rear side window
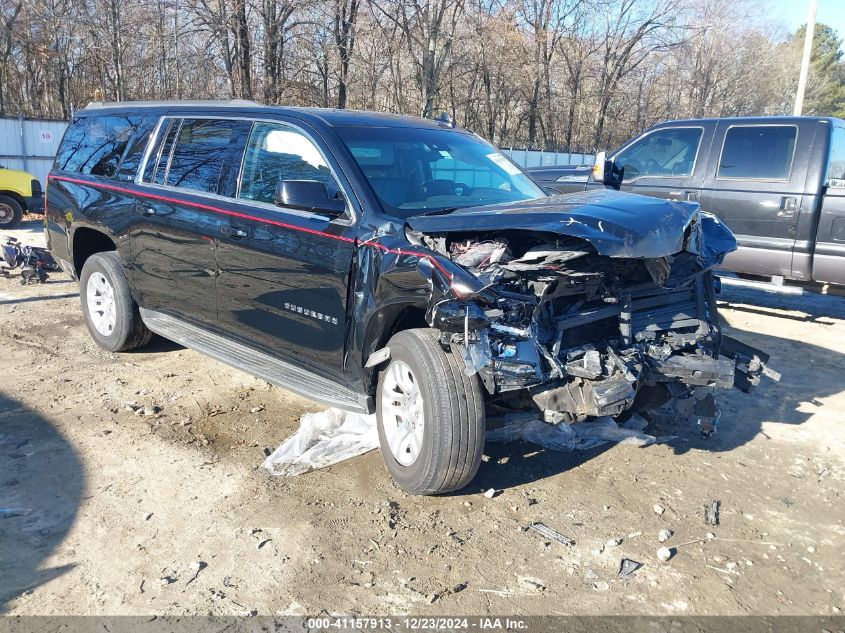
(758,152)
(95,145)
(836,167)
(206,155)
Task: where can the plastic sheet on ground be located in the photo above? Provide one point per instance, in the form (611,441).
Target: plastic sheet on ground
(323,439)
(332,436)
(572,437)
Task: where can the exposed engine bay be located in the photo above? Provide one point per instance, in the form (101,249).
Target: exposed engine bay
(583,334)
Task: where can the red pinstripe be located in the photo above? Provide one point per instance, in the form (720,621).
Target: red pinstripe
(284,225)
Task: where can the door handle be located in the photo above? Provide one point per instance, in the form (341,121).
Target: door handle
(147,210)
(788,205)
(691,196)
(234,232)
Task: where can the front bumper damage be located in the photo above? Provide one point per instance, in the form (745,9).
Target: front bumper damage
(579,334)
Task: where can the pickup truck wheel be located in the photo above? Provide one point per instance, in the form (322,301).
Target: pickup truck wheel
(110,312)
(430,415)
(11,212)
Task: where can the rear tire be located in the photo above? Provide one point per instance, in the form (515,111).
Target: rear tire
(444,453)
(11,212)
(111,314)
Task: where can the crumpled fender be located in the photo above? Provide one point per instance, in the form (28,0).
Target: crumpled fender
(710,240)
(391,277)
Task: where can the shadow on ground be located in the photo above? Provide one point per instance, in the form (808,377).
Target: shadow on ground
(41,485)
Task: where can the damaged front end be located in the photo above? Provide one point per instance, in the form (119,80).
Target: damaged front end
(592,312)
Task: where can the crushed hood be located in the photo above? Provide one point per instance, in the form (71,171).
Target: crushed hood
(616,224)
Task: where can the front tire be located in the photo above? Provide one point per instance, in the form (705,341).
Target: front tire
(430,415)
(111,314)
(11,212)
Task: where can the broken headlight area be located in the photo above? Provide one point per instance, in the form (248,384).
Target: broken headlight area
(585,335)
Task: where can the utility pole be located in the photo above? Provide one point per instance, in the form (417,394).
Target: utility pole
(805,59)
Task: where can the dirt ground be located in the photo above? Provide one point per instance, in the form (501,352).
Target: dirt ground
(103,511)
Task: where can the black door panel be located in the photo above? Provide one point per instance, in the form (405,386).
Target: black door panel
(177,221)
(284,273)
(173,260)
(283,288)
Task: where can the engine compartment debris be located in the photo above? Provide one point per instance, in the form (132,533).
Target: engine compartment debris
(589,317)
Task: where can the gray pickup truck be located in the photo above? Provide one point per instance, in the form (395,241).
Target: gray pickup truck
(777,182)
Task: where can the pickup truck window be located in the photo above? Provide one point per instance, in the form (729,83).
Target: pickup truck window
(758,152)
(205,153)
(836,167)
(422,170)
(276,152)
(666,153)
(95,144)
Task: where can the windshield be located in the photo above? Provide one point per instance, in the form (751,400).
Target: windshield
(416,171)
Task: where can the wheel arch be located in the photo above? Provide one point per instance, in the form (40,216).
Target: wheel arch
(87,241)
(14,195)
(381,326)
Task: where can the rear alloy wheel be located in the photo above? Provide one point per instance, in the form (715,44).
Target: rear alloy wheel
(11,212)
(430,415)
(102,309)
(111,314)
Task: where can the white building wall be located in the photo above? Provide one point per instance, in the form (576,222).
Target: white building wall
(30,145)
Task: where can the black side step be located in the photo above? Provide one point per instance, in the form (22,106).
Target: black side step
(273,370)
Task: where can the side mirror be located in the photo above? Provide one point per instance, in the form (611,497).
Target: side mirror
(307,195)
(607,172)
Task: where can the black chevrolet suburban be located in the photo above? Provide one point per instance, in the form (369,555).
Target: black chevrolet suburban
(777,182)
(388,264)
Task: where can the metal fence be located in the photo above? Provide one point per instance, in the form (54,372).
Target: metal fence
(30,144)
(540,158)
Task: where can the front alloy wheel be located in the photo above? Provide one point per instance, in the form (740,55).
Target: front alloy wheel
(430,414)
(403,413)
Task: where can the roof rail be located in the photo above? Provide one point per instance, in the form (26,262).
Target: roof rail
(95,105)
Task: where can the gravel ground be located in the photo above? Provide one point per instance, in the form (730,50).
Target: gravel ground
(105,511)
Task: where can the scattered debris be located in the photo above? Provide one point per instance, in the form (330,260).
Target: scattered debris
(711,513)
(148,516)
(257,409)
(197,566)
(167,580)
(665,553)
(613,542)
(552,534)
(659,509)
(710,535)
(529,583)
(627,567)
(447,592)
(492,492)
(601,586)
(664,535)
(323,439)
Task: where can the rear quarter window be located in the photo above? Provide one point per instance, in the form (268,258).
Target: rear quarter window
(758,152)
(96,145)
(836,166)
